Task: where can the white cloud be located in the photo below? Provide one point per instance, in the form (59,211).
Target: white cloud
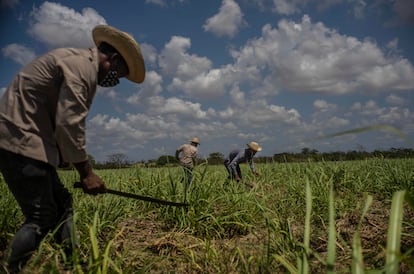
(260,114)
(18,53)
(190,73)
(370,113)
(302,57)
(322,105)
(238,97)
(160,3)
(164,3)
(107,92)
(395,100)
(336,122)
(210,84)
(307,57)
(59,26)
(174,59)
(175,106)
(227,22)
(150,55)
(287,7)
(359,8)
(2,91)
(149,88)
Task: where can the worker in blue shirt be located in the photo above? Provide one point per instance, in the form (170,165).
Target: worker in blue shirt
(239,156)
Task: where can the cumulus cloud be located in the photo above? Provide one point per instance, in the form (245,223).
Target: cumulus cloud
(371,113)
(309,57)
(175,60)
(287,7)
(150,54)
(190,73)
(174,106)
(395,100)
(161,3)
(164,3)
(293,56)
(107,92)
(260,114)
(210,84)
(59,26)
(296,56)
(322,105)
(150,87)
(115,135)
(227,22)
(18,53)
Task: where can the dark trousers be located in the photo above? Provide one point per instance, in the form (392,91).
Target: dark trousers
(188,174)
(46,204)
(231,173)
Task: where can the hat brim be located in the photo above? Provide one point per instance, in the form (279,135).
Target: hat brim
(257,149)
(126,45)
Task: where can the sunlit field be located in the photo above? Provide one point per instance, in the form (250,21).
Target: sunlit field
(312,217)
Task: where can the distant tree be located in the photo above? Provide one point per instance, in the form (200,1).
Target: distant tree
(360,147)
(118,160)
(166,159)
(306,151)
(215,158)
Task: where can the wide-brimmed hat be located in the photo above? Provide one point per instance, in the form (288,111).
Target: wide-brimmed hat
(254,146)
(126,45)
(195,140)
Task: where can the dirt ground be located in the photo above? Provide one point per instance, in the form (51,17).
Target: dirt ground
(149,241)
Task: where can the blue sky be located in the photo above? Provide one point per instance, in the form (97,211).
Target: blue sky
(281,72)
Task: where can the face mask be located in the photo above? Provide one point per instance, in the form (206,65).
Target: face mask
(110,80)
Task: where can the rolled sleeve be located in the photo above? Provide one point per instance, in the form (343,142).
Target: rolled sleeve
(73,106)
(72,109)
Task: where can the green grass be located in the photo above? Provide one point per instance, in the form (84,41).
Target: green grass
(324,217)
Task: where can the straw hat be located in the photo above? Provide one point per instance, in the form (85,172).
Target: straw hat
(195,140)
(125,44)
(254,146)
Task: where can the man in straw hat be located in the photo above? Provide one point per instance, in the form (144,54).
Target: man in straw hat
(239,156)
(42,124)
(187,155)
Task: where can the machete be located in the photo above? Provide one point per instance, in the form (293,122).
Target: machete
(137,197)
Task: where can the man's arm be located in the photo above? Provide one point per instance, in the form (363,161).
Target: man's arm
(195,157)
(177,153)
(252,168)
(75,97)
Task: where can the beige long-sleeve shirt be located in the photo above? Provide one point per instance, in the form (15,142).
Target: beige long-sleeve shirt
(46,105)
(188,155)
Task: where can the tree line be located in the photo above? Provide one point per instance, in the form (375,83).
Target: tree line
(120,160)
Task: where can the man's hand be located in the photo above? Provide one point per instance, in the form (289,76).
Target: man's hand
(91,183)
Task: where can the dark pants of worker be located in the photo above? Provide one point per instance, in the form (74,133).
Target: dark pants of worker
(232,175)
(188,174)
(46,205)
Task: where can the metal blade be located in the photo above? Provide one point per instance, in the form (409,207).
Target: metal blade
(138,197)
